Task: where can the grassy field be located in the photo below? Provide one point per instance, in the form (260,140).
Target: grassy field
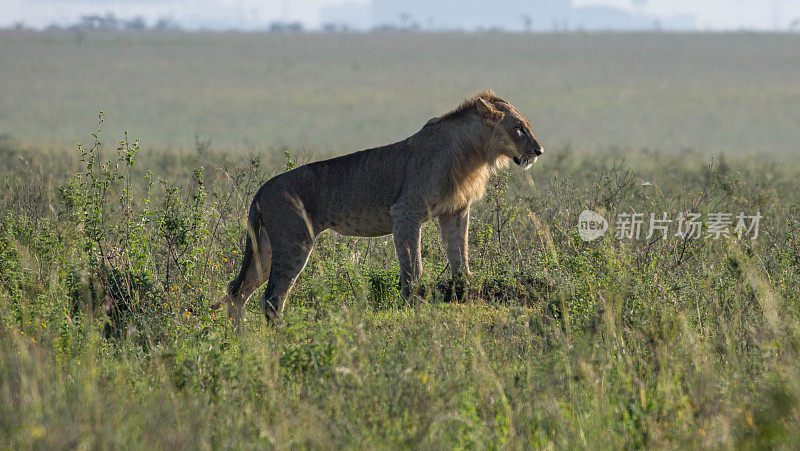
(112,253)
(333,93)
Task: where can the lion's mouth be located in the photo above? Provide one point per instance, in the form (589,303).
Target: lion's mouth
(525,163)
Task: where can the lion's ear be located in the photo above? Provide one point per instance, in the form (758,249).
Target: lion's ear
(488,111)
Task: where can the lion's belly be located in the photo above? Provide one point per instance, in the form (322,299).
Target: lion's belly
(362,223)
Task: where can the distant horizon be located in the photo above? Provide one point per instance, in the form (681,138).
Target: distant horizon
(359,15)
(320,30)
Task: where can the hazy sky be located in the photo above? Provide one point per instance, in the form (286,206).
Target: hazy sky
(716,14)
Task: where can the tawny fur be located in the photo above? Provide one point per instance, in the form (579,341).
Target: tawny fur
(437,172)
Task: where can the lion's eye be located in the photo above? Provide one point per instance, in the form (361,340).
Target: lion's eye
(520,131)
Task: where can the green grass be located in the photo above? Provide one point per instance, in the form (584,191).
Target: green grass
(106,339)
(111,255)
(335,93)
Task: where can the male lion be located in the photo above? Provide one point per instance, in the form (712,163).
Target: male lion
(437,172)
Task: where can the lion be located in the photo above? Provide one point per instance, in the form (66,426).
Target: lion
(436,173)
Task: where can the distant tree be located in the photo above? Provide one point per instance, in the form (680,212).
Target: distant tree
(527,23)
(80,35)
(405,20)
(86,23)
(285,27)
(332,27)
(386,27)
(657,26)
(96,22)
(136,24)
(166,24)
(109,22)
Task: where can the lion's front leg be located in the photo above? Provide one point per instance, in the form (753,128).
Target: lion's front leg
(407,245)
(454,228)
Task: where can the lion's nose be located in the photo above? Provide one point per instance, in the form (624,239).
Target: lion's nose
(539,151)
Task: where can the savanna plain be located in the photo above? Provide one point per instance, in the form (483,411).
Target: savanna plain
(113,251)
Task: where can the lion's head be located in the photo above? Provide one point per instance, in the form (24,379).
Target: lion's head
(516,138)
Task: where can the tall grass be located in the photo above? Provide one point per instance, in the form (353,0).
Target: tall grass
(111,255)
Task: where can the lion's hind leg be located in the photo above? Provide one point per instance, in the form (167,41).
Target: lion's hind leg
(289,259)
(254,273)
